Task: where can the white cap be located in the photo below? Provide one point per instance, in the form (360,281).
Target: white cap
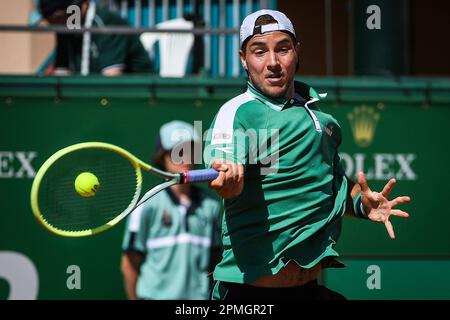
(176,132)
(248,28)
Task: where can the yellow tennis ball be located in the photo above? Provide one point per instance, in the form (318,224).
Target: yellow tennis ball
(86,184)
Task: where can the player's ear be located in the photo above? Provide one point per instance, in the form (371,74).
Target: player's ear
(297,51)
(243,61)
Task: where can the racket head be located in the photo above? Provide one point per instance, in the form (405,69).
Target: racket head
(61,210)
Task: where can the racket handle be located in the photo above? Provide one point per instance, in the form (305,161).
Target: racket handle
(202,175)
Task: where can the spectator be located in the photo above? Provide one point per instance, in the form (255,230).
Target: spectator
(171,241)
(108,54)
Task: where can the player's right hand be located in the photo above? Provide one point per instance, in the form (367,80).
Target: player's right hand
(230,182)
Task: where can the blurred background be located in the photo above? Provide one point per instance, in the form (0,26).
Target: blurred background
(384,64)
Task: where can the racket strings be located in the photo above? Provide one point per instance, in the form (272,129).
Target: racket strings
(63,208)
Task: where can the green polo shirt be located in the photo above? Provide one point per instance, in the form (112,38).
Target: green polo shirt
(294,188)
(176,242)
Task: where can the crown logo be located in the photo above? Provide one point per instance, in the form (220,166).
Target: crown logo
(363,120)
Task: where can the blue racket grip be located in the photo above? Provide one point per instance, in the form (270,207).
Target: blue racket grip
(202,175)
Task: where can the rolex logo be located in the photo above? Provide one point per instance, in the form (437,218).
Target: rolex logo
(363,120)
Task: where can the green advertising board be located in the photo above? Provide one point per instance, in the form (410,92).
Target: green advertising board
(392,128)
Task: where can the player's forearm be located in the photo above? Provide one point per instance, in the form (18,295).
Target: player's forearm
(112,72)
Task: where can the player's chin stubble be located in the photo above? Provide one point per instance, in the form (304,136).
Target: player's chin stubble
(266,89)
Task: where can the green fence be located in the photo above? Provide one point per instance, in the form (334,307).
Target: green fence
(392,128)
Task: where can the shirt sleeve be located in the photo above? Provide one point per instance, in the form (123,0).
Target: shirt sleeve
(226,139)
(117,50)
(137,229)
(112,51)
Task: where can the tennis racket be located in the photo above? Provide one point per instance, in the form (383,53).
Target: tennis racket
(62,210)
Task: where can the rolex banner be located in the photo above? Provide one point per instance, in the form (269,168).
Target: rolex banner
(386,139)
(407,142)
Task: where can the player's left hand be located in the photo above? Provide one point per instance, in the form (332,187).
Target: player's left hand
(377,205)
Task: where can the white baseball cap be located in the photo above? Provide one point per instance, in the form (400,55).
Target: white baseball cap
(248,28)
(176,132)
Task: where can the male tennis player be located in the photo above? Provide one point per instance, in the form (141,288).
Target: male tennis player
(171,240)
(280,175)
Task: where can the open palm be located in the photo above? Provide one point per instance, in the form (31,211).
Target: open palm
(377,205)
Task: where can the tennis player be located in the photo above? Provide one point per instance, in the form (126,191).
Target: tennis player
(281,178)
(171,241)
